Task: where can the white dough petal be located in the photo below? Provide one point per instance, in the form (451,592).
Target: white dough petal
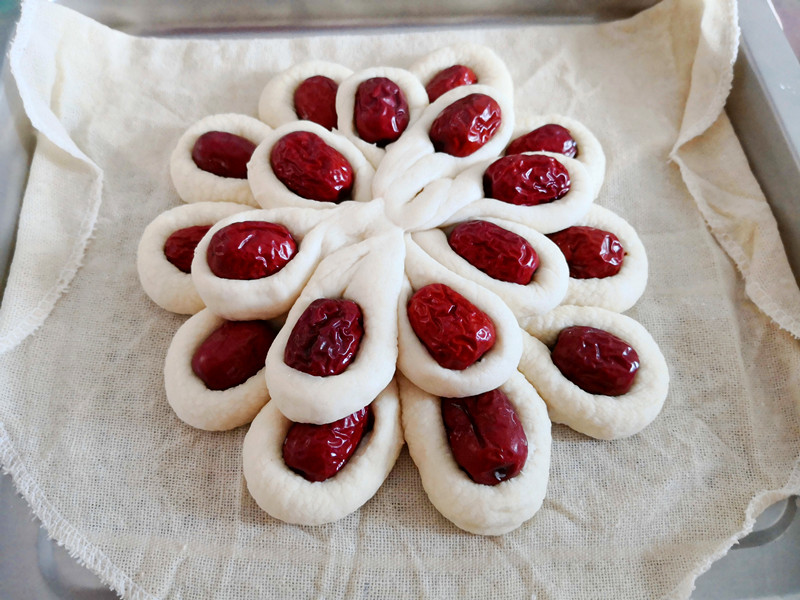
(370,274)
(192,401)
(168,286)
(291,498)
(195,185)
(415,362)
(276,104)
(596,415)
(477,508)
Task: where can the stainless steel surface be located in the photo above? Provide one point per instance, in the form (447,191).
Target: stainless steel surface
(763,107)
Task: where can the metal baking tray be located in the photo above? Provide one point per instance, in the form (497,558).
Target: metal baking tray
(764,108)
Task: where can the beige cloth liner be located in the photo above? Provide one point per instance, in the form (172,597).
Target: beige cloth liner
(160,510)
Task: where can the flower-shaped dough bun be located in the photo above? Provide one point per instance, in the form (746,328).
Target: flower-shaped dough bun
(477,508)
(544,292)
(415,362)
(270,192)
(596,415)
(350,274)
(621,291)
(409,85)
(289,497)
(590,152)
(267,297)
(196,185)
(487,66)
(546,218)
(192,401)
(166,284)
(276,104)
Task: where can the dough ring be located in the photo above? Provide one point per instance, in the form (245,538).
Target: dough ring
(268,297)
(276,104)
(546,218)
(349,273)
(289,497)
(487,66)
(598,416)
(195,185)
(621,291)
(163,282)
(477,508)
(415,362)
(270,192)
(545,291)
(192,401)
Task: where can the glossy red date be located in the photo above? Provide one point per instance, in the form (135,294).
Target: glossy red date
(590,252)
(486,436)
(596,361)
(547,138)
(179,247)
(448,79)
(315,100)
(222,153)
(453,330)
(250,250)
(466,125)
(526,179)
(381,111)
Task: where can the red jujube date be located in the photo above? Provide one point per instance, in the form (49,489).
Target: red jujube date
(453,330)
(526,179)
(381,111)
(590,252)
(498,252)
(318,452)
(486,436)
(596,361)
(448,79)
(465,125)
(310,168)
(179,247)
(222,153)
(233,353)
(315,100)
(250,250)
(326,337)
(547,138)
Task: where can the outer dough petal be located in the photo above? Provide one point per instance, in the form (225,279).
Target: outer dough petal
(348,273)
(168,286)
(276,104)
(268,297)
(269,191)
(547,218)
(411,87)
(194,184)
(623,290)
(291,498)
(477,508)
(492,370)
(189,397)
(598,416)
(590,152)
(490,70)
(545,291)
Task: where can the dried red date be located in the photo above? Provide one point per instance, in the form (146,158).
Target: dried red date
(222,153)
(179,247)
(448,79)
(498,252)
(526,179)
(233,353)
(465,125)
(547,138)
(250,250)
(590,252)
(318,452)
(453,330)
(315,100)
(596,361)
(486,436)
(310,168)
(325,338)
(381,111)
